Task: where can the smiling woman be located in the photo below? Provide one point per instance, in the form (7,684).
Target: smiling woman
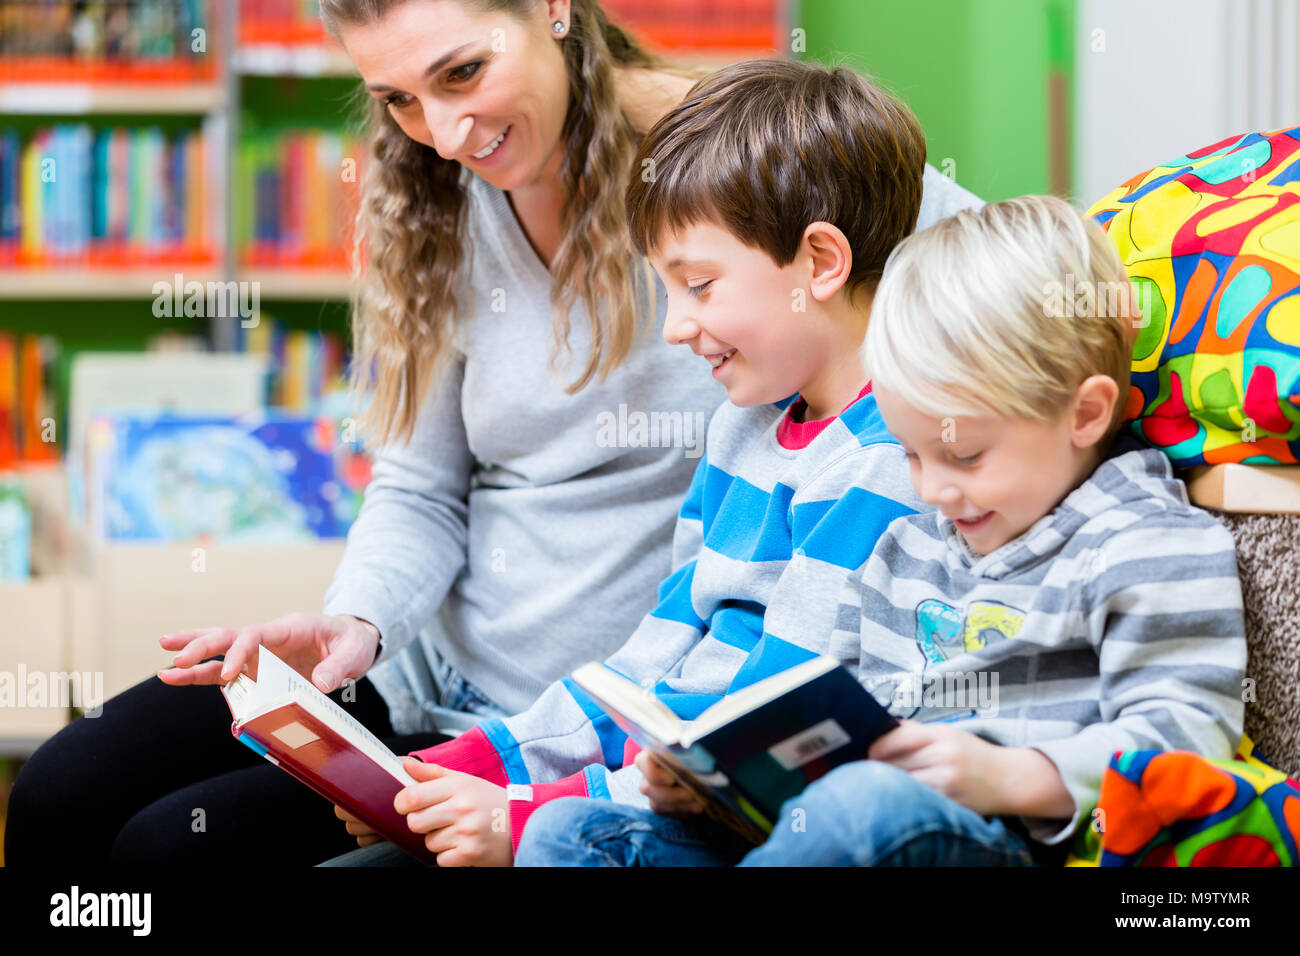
(529,97)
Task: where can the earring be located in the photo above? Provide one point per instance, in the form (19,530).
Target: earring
(558,27)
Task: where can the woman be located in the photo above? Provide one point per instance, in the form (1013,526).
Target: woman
(502,329)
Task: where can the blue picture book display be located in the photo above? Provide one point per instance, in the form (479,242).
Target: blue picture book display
(269,478)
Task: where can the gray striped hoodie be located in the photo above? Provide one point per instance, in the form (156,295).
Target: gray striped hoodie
(1114,623)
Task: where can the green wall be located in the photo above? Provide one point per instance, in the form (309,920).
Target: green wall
(974,71)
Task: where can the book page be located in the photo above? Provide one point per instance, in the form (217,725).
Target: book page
(624,698)
(239,695)
(755,695)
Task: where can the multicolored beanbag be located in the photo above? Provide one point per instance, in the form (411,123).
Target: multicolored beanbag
(1174,808)
(1212,241)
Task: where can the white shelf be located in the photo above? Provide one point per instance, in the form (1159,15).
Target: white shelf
(79,99)
(74,283)
(299,284)
(267,59)
(293,284)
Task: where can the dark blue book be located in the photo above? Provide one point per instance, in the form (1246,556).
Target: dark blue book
(10,162)
(756,748)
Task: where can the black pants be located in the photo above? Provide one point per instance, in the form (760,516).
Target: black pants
(158,780)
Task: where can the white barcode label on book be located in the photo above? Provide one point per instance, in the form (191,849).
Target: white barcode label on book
(809,744)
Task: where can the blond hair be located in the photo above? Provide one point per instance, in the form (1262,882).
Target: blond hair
(410,247)
(1002,312)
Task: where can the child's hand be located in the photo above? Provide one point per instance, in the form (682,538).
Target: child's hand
(466,819)
(667,796)
(365,836)
(955,762)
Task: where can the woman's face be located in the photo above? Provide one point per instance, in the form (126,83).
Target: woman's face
(457,81)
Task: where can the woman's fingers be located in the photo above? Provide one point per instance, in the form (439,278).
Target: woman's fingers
(246,641)
(209,672)
(340,663)
(202,644)
(178,639)
(298,639)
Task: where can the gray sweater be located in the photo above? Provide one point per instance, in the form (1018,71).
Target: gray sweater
(524,531)
(1114,623)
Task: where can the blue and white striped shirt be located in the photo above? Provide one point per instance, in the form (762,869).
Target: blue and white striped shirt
(777,516)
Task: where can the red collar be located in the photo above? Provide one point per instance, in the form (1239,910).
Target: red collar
(795,435)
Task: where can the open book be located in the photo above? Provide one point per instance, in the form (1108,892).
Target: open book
(288,721)
(754,749)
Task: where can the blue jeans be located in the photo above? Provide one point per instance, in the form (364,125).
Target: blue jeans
(864,813)
(457,697)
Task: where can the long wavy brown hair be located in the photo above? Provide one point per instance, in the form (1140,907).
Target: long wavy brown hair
(409,250)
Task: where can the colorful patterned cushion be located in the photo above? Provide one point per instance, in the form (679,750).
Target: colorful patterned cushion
(1174,808)
(1213,239)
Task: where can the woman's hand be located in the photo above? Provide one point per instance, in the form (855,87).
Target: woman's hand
(365,836)
(325,650)
(466,818)
(667,796)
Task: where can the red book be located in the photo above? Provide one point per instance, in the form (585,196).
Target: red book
(8,399)
(283,717)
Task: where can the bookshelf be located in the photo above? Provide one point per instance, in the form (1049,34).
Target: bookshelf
(251,41)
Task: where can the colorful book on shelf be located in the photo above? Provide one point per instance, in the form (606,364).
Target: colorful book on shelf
(306,365)
(8,400)
(29,411)
(284,718)
(741,25)
(71,41)
(112,197)
(10,185)
(290,22)
(15,531)
(37,412)
(756,748)
(295,207)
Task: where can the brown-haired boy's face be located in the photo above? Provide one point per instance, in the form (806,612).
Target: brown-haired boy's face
(732,305)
